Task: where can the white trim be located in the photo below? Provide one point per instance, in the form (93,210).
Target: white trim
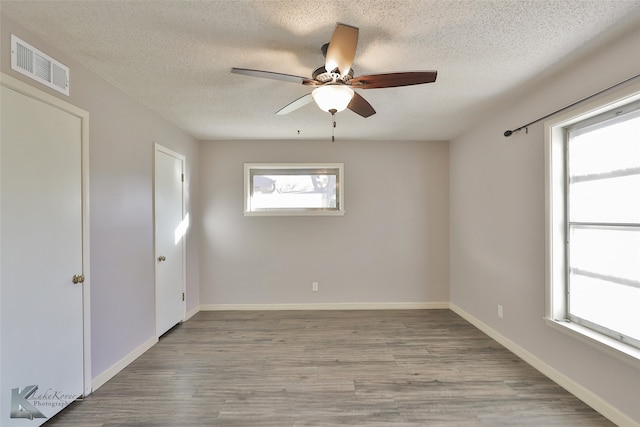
(192,313)
(294,212)
(36,93)
(613,347)
(86,255)
(587,396)
(111,372)
(329,306)
(165,150)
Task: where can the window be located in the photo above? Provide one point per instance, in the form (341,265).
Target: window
(293,189)
(593,221)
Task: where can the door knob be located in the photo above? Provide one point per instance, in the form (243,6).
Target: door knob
(162,258)
(77,278)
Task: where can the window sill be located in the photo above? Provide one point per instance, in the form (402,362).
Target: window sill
(294,212)
(615,348)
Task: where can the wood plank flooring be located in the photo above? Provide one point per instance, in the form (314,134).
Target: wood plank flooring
(329,368)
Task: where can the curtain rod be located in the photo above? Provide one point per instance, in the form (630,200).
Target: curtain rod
(508,133)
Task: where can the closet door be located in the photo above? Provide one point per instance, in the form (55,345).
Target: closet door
(41,250)
(170,229)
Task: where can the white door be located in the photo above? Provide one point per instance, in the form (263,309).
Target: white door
(171,225)
(41,230)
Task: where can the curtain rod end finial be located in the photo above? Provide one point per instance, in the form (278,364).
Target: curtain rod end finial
(508,133)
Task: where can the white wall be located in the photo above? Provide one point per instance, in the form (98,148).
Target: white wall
(122,133)
(391,245)
(497,228)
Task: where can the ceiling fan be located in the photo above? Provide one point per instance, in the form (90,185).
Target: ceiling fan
(334,81)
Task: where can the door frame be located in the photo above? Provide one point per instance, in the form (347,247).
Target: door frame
(158,148)
(39,95)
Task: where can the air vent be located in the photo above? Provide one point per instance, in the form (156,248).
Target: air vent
(31,62)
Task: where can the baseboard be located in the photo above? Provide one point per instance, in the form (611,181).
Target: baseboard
(582,393)
(121,364)
(189,314)
(329,306)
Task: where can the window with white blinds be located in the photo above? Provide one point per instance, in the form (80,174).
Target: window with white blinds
(602,220)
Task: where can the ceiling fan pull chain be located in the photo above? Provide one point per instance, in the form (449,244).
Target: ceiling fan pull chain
(333,128)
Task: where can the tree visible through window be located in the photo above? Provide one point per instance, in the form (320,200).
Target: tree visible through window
(293,189)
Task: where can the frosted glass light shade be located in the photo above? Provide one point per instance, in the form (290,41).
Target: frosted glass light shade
(332,97)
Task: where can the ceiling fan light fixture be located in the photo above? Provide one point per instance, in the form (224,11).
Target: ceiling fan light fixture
(332,97)
(333,80)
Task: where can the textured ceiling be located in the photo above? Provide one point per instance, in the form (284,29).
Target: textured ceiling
(175,57)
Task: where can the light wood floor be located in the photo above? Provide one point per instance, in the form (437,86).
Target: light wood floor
(329,368)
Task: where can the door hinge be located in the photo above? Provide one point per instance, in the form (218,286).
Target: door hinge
(183,296)
(182,177)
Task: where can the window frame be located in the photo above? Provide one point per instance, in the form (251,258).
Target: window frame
(556,304)
(295,168)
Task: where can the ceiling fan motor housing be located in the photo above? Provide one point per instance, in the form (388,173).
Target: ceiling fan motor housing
(321,75)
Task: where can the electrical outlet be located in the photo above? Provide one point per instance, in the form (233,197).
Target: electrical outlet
(500,312)
(314,286)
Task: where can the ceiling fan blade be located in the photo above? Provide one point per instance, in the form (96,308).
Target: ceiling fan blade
(360,106)
(342,49)
(298,103)
(375,81)
(273,76)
